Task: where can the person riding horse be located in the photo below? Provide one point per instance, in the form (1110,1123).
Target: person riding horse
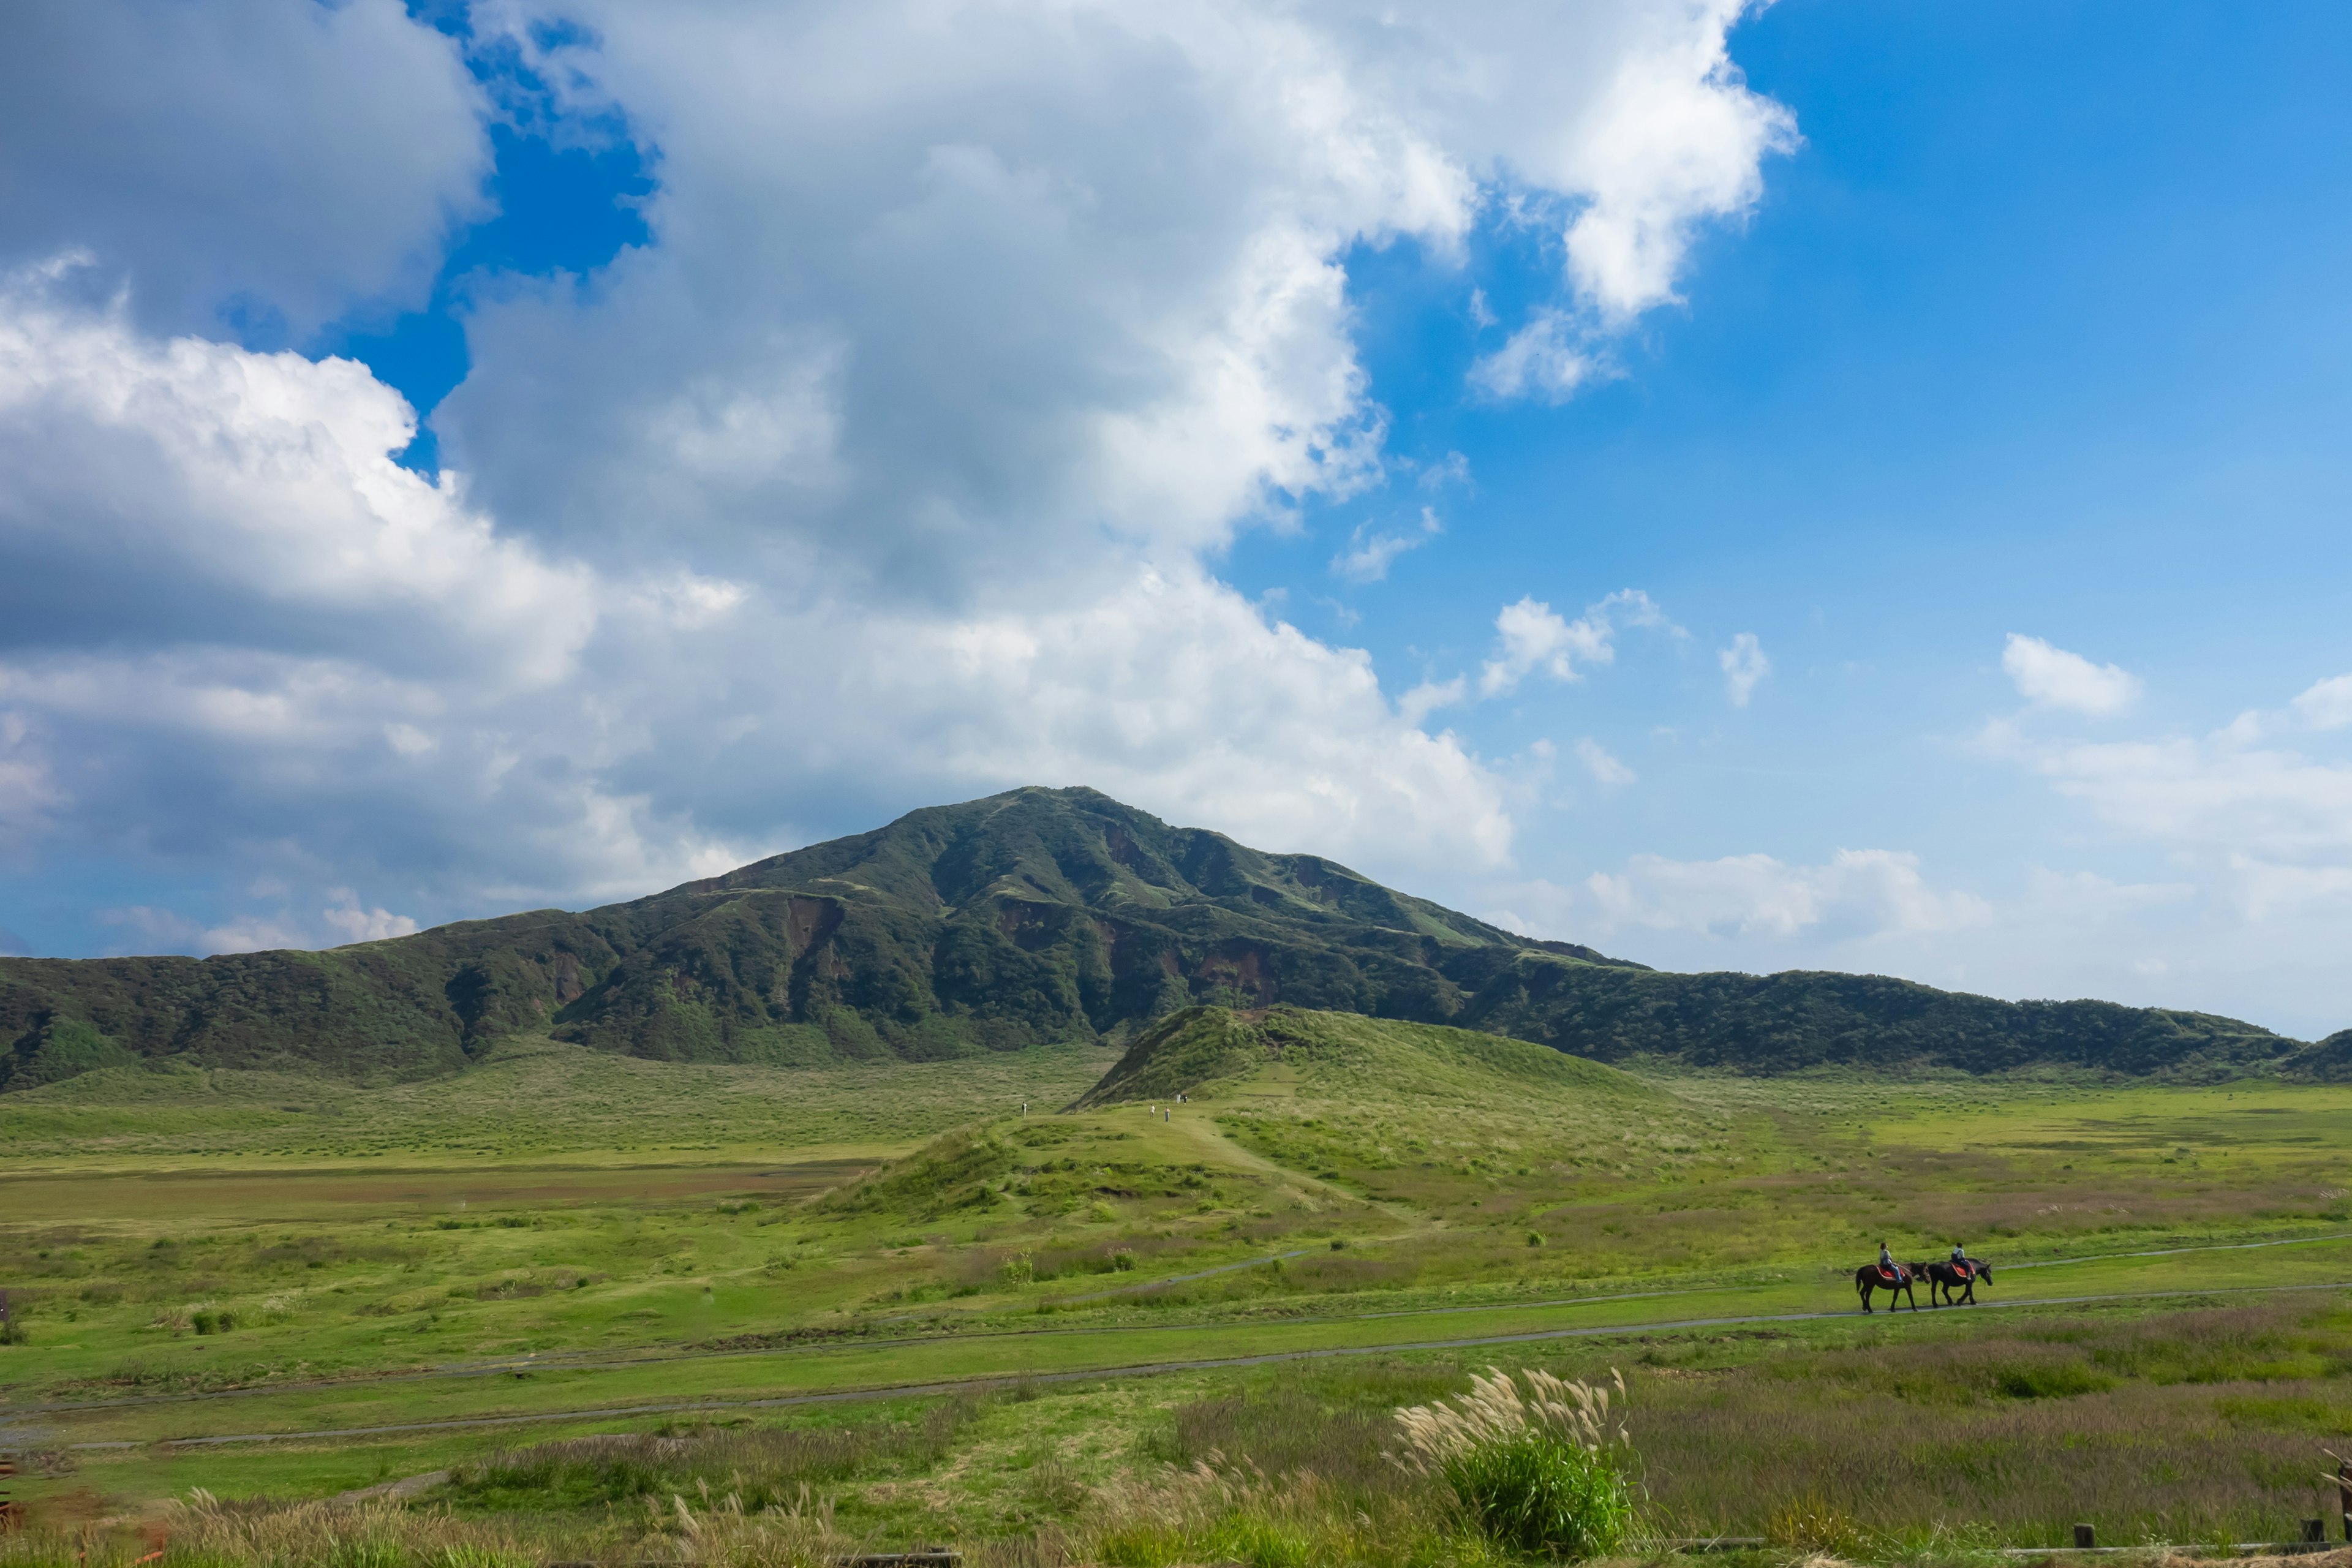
(1888,1276)
(1956,1281)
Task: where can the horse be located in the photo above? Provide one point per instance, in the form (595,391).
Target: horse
(1867,1278)
(1943,1279)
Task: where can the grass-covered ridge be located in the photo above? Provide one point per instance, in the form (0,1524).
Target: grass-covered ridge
(1207,1052)
(1036,916)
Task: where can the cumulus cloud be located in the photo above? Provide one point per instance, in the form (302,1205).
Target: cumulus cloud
(353,923)
(1022,318)
(2325,704)
(186,491)
(283,161)
(1743,665)
(2053,677)
(1285,739)
(1530,636)
(491,709)
(886,470)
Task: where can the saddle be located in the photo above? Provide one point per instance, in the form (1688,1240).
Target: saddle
(1964,1270)
(1894,1276)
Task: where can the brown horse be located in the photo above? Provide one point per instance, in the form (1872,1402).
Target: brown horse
(1868,1277)
(1943,1279)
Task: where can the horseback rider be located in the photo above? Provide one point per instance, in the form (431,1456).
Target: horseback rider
(1886,1263)
(1960,1258)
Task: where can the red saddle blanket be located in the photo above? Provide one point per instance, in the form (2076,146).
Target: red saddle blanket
(1890,1275)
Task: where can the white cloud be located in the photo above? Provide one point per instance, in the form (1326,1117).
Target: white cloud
(1014,316)
(354,922)
(2055,679)
(1858,891)
(1431,695)
(2202,794)
(1548,358)
(285,160)
(884,472)
(192,491)
(345,920)
(1531,637)
(1744,663)
(1869,909)
(2325,704)
(2259,832)
(1368,554)
(1605,768)
(1672,138)
(465,697)
(1282,739)
(1453,470)
(164,931)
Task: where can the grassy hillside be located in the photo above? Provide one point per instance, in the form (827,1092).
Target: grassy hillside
(1030,916)
(1213,1054)
(566,1243)
(527,1098)
(565,1275)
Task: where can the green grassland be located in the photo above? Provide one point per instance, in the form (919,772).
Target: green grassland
(620,1272)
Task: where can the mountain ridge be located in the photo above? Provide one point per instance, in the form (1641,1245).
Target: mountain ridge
(1033,915)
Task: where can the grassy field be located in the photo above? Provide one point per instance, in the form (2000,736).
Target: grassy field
(584,1285)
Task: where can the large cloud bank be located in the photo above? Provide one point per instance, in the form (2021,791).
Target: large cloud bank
(893,467)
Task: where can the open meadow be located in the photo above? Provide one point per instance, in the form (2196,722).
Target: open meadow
(574,1302)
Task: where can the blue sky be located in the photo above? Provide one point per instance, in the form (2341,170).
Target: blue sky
(842,413)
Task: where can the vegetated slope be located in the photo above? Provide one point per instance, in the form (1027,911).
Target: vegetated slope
(1029,916)
(2330,1060)
(526,1097)
(1034,915)
(1799,1018)
(1209,1053)
(1484,1133)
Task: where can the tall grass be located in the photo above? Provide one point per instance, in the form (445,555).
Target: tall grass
(770,1468)
(1536,1469)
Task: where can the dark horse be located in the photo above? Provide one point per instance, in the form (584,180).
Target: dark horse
(1944,1278)
(1869,1278)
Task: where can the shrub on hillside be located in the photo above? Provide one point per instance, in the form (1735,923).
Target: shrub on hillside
(1535,1471)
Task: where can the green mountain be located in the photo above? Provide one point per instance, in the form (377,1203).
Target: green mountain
(1034,915)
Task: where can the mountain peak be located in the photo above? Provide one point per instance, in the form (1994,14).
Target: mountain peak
(1036,914)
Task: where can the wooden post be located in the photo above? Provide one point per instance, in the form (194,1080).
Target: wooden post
(2085,1537)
